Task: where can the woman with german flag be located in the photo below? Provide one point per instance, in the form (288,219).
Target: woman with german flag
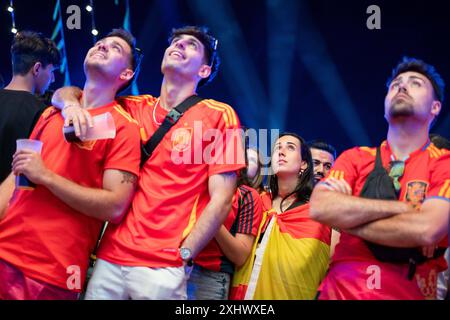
(291,256)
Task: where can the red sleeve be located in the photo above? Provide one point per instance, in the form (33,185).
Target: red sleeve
(38,125)
(133,104)
(345,167)
(123,152)
(42,121)
(440,178)
(138,107)
(250,213)
(227,145)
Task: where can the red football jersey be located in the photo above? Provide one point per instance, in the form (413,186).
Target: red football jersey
(173,184)
(426,175)
(41,235)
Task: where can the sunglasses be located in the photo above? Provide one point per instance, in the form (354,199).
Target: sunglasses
(396,172)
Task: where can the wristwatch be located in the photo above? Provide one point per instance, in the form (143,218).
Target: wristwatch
(186,255)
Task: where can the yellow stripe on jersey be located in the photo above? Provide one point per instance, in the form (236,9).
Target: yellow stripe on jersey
(372,151)
(445,188)
(192,219)
(47,112)
(337,174)
(441,151)
(433,153)
(230,114)
(125,114)
(222,108)
(143,134)
(233,115)
(438,151)
(149,99)
(224,115)
(230,111)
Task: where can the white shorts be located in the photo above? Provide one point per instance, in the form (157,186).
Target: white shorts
(116,282)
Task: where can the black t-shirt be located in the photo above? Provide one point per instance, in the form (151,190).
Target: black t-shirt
(19,112)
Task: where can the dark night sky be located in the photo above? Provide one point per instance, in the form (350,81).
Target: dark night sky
(251,33)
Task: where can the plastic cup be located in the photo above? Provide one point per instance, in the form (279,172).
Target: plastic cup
(104,128)
(22,181)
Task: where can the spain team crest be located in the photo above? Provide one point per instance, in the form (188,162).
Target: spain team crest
(416,192)
(181,139)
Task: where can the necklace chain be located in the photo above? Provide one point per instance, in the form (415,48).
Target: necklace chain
(154,113)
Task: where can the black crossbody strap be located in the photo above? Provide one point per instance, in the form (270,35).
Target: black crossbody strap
(172,117)
(378,162)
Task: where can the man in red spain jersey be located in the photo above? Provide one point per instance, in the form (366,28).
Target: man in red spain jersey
(421,177)
(47,234)
(185,188)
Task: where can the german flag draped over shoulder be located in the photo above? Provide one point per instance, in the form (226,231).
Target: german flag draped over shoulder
(290,261)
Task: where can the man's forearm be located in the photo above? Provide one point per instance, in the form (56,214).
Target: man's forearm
(93,202)
(207,225)
(343,211)
(406,230)
(66,96)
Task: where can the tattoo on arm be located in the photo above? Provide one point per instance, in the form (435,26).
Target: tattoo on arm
(128,177)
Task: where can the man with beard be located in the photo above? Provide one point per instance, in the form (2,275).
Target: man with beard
(323,155)
(48,233)
(419,177)
(179,205)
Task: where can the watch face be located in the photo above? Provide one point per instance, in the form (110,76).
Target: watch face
(185,253)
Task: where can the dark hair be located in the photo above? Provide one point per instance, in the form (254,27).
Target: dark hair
(439,141)
(28,48)
(305,184)
(322,145)
(136,54)
(210,44)
(419,66)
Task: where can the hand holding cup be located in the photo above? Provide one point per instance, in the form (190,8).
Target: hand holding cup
(27,163)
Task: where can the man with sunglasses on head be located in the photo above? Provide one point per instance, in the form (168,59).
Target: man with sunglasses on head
(387,247)
(48,233)
(179,205)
